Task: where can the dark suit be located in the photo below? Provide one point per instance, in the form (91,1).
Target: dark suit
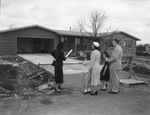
(59,57)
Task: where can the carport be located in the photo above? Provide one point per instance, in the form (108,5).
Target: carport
(34,45)
(29,39)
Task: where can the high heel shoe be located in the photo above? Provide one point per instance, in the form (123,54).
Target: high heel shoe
(94,93)
(85,92)
(106,85)
(103,89)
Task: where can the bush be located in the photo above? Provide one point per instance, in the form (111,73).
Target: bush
(142,54)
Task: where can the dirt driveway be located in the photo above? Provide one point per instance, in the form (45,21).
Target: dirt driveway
(130,101)
(134,100)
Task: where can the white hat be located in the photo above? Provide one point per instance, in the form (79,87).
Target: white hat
(96,44)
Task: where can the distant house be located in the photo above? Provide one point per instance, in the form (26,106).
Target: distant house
(39,39)
(147,49)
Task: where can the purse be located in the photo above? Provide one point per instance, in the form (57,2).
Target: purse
(53,63)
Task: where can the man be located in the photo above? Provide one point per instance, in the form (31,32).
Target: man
(115,66)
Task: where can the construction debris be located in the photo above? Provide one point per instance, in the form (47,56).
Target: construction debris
(19,76)
(47,88)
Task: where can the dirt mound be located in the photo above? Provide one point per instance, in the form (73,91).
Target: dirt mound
(18,75)
(139,69)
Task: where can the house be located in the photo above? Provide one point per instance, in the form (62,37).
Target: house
(39,39)
(147,48)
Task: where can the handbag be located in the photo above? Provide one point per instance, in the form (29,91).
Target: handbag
(53,63)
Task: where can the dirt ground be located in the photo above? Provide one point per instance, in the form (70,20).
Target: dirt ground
(134,100)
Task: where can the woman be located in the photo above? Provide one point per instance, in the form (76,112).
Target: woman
(94,67)
(59,57)
(105,72)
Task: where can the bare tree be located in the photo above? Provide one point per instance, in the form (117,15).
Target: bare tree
(95,26)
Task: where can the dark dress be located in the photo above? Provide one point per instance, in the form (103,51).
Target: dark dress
(106,75)
(59,56)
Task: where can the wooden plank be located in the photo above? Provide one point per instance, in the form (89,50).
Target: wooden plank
(128,82)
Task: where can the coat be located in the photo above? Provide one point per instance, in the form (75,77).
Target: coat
(59,57)
(95,67)
(116,57)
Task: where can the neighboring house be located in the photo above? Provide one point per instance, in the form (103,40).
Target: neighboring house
(147,48)
(127,41)
(38,39)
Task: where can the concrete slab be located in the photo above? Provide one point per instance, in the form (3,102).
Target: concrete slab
(128,82)
(46,59)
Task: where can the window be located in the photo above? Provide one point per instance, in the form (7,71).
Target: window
(128,43)
(78,41)
(84,41)
(64,39)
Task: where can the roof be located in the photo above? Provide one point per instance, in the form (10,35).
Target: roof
(67,33)
(121,32)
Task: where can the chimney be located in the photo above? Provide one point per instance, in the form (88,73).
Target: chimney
(70,28)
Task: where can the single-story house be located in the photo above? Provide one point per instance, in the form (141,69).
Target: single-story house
(147,49)
(39,39)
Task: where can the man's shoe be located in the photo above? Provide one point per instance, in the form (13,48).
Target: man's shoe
(94,93)
(111,92)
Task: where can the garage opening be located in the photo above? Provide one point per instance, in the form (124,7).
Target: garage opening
(34,45)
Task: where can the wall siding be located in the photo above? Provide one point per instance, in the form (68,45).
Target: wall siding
(8,40)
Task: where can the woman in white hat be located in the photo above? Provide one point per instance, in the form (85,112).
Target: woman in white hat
(94,67)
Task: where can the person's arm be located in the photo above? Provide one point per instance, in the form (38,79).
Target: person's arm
(52,53)
(104,70)
(86,62)
(63,56)
(114,57)
(92,60)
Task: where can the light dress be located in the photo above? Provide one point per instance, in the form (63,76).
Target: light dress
(95,66)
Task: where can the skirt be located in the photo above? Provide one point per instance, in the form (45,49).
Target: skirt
(95,77)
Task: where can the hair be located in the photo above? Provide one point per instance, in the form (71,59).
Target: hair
(60,45)
(106,54)
(116,40)
(87,56)
(97,48)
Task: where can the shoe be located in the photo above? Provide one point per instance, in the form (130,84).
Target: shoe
(89,92)
(103,89)
(106,85)
(85,92)
(60,88)
(111,92)
(57,90)
(94,93)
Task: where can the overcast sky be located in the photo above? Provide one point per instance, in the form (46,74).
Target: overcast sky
(131,16)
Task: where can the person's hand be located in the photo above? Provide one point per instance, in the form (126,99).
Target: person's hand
(106,59)
(90,70)
(103,73)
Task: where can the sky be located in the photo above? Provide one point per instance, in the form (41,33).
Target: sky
(130,16)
